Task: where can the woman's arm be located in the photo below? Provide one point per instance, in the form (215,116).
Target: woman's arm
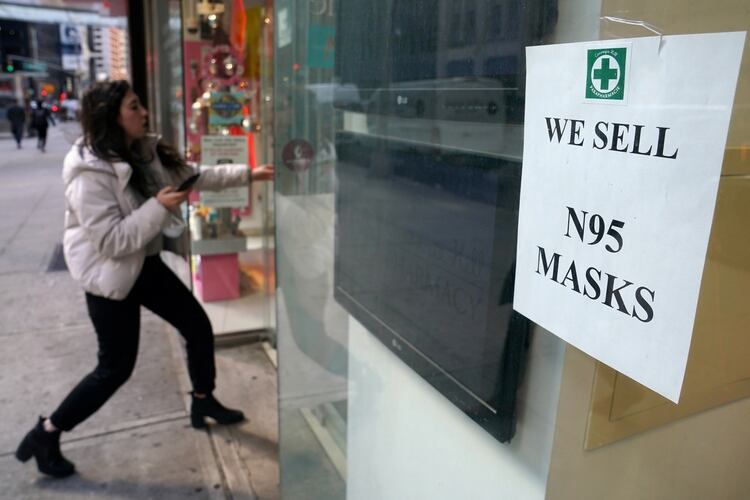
(114,234)
(231,175)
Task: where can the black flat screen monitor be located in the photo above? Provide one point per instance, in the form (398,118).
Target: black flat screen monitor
(424,259)
(428,189)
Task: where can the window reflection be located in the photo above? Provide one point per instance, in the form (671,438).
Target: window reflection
(428,185)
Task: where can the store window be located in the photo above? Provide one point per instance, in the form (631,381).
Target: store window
(225,50)
(404,371)
(396,246)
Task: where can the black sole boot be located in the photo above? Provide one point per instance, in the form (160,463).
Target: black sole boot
(210,407)
(45,447)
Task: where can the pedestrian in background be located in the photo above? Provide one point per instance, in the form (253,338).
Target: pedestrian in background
(122,209)
(40,120)
(17,117)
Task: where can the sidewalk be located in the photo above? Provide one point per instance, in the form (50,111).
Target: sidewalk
(140,444)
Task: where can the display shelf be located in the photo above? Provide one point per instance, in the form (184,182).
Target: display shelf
(218,246)
(225,245)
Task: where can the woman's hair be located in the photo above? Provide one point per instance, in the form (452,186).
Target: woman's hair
(100,109)
(103,135)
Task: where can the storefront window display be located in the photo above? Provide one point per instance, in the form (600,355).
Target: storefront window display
(404,370)
(224,49)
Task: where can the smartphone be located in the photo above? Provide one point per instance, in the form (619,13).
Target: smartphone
(187,183)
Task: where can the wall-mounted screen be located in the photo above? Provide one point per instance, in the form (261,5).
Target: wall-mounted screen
(428,178)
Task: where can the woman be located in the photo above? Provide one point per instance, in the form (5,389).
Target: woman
(121,209)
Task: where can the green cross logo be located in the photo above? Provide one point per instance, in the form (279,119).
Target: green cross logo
(605,77)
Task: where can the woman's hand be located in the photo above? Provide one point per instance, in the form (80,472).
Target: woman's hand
(172,199)
(263,173)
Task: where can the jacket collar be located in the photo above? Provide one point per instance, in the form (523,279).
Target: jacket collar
(90,162)
(123,171)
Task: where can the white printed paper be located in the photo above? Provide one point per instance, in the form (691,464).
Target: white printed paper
(218,150)
(623,147)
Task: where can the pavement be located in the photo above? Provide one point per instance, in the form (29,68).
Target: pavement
(140,444)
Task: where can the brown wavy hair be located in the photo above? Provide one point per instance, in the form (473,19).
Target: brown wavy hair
(103,135)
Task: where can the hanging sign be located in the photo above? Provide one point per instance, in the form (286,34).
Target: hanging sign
(226,108)
(70,47)
(623,146)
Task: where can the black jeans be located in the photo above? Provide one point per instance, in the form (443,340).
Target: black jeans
(17,129)
(41,133)
(117,325)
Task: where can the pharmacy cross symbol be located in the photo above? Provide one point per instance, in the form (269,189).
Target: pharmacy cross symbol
(604,74)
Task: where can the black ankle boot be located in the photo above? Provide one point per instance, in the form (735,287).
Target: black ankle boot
(45,447)
(210,407)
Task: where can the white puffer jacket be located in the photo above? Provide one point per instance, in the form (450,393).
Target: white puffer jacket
(107,229)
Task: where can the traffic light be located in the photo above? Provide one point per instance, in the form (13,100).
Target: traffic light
(9,68)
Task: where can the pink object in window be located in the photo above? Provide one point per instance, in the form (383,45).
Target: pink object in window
(217,277)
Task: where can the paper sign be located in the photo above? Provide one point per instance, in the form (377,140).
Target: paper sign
(285,30)
(221,149)
(623,146)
